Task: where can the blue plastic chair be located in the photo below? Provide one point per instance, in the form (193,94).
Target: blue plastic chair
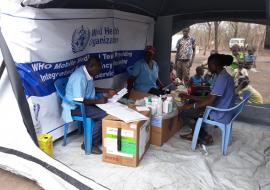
(226,128)
(87,122)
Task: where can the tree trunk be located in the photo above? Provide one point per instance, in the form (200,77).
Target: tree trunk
(216,35)
(209,24)
(235,30)
(261,43)
(267,38)
(247,32)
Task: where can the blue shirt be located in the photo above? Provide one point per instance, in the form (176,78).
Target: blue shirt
(223,88)
(250,58)
(197,80)
(80,85)
(145,76)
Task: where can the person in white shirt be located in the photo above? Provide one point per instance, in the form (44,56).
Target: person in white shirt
(238,73)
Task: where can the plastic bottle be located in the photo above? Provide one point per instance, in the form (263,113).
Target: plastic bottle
(154,106)
(159,106)
(166,106)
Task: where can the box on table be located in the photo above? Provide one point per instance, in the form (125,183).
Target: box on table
(162,127)
(125,143)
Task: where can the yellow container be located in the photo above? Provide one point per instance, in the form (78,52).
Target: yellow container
(45,142)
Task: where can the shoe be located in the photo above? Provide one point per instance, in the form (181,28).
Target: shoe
(95,149)
(188,136)
(82,146)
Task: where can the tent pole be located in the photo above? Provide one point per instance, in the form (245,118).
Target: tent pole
(17,88)
(162,41)
(2,68)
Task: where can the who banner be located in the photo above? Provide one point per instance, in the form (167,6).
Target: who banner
(47,44)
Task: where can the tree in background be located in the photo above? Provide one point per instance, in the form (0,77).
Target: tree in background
(207,44)
(255,35)
(235,28)
(216,25)
(267,38)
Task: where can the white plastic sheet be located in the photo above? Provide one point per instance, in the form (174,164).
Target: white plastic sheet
(176,166)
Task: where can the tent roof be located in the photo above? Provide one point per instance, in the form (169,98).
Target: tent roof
(184,13)
(157,8)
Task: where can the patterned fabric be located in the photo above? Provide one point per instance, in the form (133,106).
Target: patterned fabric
(182,69)
(185,48)
(239,73)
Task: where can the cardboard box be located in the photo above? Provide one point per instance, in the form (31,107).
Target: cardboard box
(125,143)
(162,127)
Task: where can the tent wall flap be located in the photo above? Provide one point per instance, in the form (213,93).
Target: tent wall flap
(52,43)
(17,89)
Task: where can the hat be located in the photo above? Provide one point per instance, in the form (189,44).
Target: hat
(150,49)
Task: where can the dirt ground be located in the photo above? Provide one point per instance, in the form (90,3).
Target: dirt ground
(11,181)
(259,80)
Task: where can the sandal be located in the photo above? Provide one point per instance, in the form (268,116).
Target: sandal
(188,136)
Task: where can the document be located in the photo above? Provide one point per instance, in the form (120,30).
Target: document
(118,96)
(122,112)
(142,108)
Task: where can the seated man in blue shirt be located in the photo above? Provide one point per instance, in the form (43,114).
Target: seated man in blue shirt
(145,74)
(81,86)
(222,96)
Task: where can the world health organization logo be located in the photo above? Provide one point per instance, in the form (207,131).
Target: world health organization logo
(80,39)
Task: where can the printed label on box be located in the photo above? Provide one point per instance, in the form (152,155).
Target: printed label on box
(128,143)
(156,121)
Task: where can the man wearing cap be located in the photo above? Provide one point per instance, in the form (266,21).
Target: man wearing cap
(185,55)
(144,75)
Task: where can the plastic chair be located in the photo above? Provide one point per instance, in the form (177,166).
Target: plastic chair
(226,128)
(87,122)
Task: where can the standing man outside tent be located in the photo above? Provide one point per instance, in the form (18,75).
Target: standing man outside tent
(185,55)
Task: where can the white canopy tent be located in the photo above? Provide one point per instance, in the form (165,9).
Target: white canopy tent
(19,153)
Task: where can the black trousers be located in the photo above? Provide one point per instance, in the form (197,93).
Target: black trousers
(156,92)
(97,115)
(189,117)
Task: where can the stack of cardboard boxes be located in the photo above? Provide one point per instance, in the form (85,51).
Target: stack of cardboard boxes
(126,143)
(162,127)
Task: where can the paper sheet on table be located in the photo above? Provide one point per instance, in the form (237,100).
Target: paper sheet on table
(122,112)
(118,96)
(142,108)
(78,99)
